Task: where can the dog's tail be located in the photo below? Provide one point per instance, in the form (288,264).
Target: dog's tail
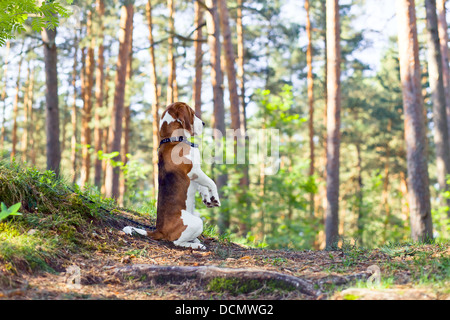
(155,234)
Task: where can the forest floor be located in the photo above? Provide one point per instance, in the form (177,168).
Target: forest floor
(64,235)
(107,272)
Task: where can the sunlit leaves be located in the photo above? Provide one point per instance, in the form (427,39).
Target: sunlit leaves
(15,14)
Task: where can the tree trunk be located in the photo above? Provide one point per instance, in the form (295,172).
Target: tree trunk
(197,94)
(241,62)
(73,155)
(310,81)
(105,139)
(244,182)
(229,64)
(51,97)
(443,38)
(86,117)
(321,202)
(126,127)
(155,100)
(115,129)
(27,107)
(360,194)
(435,72)
(99,93)
(213,26)
(385,193)
(333,122)
(16,110)
(3,96)
(418,180)
(170,57)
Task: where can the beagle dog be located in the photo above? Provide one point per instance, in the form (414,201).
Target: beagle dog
(180,177)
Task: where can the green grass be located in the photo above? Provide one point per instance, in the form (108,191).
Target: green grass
(57,218)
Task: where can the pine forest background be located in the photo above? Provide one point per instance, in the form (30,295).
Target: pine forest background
(241,64)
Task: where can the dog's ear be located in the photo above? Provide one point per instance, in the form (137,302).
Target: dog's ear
(188,118)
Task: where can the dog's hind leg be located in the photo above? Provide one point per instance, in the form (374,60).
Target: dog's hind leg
(194,228)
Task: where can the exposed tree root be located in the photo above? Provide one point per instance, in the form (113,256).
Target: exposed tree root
(206,273)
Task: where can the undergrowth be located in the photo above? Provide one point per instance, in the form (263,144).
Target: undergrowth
(57,218)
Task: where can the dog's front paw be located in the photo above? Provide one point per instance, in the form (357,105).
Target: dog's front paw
(215,202)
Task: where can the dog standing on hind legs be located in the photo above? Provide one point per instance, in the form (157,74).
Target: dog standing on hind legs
(180,177)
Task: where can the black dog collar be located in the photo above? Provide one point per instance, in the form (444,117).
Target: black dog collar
(178,139)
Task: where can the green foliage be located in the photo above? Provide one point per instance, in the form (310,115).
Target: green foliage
(12,211)
(14,14)
(56,218)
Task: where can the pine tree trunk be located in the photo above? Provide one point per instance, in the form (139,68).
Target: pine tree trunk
(310,81)
(385,193)
(99,93)
(241,62)
(443,39)
(229,64)
(115,129)
(126,127)
(418,179)
(435,72)
(86,117)
(51,97)
(27,106)
(155,100)
(213,26)
(170,57)
(198,36)
(73,153)
(360,194)
(244,182)
(333,122)
(109,108)
(16,111)
(3,96)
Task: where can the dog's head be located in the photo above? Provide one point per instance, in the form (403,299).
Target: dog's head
(180,119)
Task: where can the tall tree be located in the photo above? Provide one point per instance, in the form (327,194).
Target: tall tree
(240,63)
(74,117)
(27,109)
(170,57)
(436,79)
(229,64)
(86,115)
(310,81)
(16,109)
(418,179)
(213,26)
(51,98)
(155,99)
(99,93)
(443,39)
(3,95)
(333,121)
(126,126)
(198,35)
(115,129)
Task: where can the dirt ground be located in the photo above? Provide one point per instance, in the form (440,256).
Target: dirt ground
(329,272)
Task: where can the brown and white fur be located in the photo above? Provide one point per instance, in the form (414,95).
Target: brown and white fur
(177,219)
